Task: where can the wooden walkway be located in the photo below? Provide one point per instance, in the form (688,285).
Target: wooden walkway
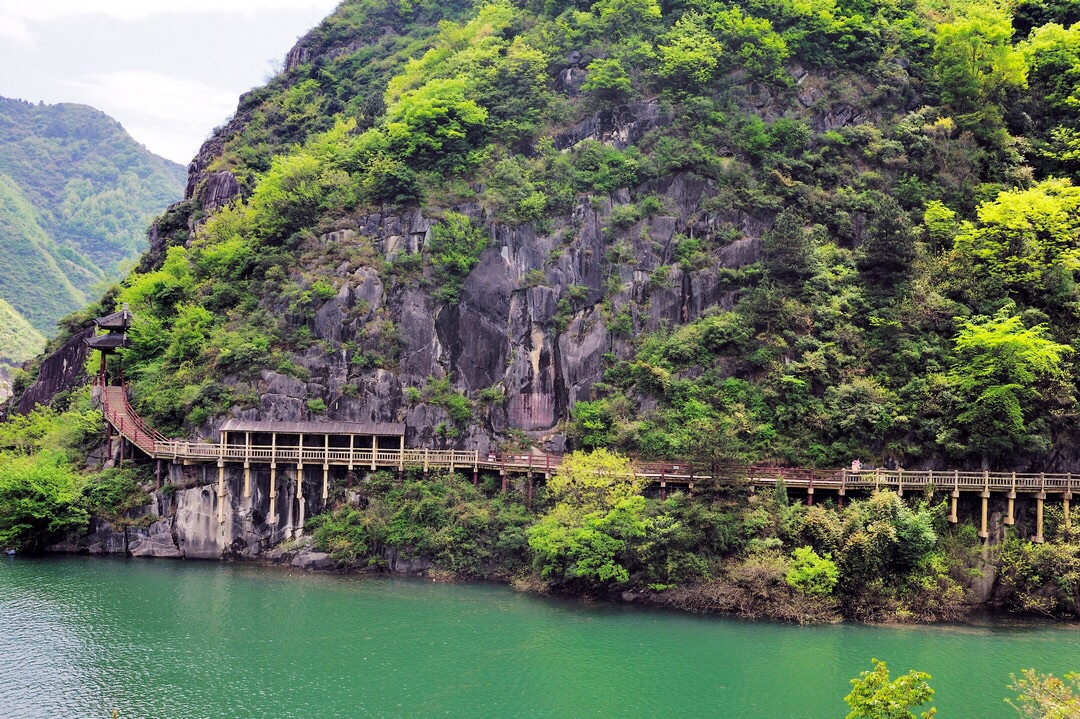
(130,426)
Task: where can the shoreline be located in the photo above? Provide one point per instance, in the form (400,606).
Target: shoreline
(975,616)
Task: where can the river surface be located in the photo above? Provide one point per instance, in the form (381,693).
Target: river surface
(186,640)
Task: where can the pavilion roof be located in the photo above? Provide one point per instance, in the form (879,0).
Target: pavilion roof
(117,320)
(108,342)
(382,429)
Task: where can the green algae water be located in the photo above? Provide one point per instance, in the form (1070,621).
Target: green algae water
(183,640)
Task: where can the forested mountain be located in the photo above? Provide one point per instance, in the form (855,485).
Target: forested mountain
(76,195)
(787,231)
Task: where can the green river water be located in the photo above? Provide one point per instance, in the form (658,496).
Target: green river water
(185,640)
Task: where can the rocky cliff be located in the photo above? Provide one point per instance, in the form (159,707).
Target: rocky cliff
(638,227)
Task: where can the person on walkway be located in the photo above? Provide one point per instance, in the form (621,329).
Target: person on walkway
(856,465)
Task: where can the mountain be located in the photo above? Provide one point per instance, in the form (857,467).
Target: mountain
(763,231)
(76,194)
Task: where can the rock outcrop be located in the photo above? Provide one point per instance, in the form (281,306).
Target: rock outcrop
(61,371)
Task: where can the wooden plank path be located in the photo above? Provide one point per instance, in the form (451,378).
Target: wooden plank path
(673,475)
(130,426)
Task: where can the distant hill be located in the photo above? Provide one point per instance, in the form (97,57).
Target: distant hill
(76,195)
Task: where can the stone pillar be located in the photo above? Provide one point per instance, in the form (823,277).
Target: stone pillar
(326,469)
(247,465)
(1039,499)
(221,491)
(983,533)
(1065,505)
(1010,518)
(272,519)
(955,494)
(298,526)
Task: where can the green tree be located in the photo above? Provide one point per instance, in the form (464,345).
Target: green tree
(1044,696)
(1000,371)
(436,125)
(875,696)
(39,500)
(594,480)
(810,573)
(1023,237)
(586,538)
(788,248)
(607,81)
(888,250)
(689,54)
(977,65)
(455,249)
(620,19)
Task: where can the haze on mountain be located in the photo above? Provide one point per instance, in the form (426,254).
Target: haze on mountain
(76,195)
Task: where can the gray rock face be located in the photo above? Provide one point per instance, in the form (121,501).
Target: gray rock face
(218,191)
(313,561)
(619,127)
(61,371)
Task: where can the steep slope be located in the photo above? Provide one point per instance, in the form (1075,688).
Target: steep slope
(19,342)
(37,276)
(797,232)
(77,193)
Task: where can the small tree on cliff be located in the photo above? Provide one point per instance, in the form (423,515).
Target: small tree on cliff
(584,541)
(1002,371)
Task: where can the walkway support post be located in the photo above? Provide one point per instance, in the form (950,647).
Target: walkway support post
(1039,499)
(272,519)
(298,523)
(955,495)
(1010,516)
(983,533)
(247,465)
(221,479)
(326,469)
(985,494)
(1066,498)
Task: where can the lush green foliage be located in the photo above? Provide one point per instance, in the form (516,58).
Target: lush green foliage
(76,194)
(43,491)
(1044,696)
(812,574)
(875,696)
(466,531)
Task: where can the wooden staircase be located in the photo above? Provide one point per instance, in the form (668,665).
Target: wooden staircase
(131,427)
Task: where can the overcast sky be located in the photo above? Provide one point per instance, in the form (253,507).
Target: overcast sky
(169,70)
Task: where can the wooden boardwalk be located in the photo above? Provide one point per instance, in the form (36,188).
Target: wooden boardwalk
(668,475)
(128,424)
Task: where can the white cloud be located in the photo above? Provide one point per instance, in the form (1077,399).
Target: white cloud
(15,30)
(170,115)
(132,10)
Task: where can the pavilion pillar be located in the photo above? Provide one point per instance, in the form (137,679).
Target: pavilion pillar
(1065,507)
(352,446)
(401,455)
(954,495)
(374,450)
(1010,516)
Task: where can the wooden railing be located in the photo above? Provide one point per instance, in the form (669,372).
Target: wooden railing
(120,415)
